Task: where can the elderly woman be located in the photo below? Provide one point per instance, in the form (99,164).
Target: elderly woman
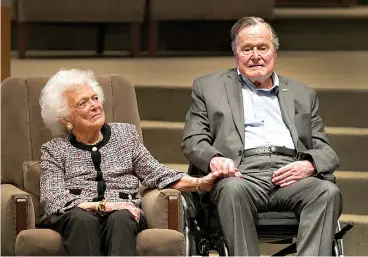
(91,170)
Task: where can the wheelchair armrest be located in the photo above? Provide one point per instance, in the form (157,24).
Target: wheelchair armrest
(327,176)
(17,214)
(163,209)
(189,207)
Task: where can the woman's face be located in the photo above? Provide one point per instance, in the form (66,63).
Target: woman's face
(86,112)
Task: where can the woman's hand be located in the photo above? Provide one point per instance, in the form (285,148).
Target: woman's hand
(114,206)
(207,182)
(88,206)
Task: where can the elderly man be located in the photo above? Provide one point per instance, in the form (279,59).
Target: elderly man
(266,126)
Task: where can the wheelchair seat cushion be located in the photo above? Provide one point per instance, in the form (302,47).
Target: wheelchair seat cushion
(277,218)
(274,226)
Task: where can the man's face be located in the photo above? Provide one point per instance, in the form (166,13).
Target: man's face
(255,54)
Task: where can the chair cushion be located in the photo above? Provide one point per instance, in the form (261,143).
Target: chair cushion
(160,242)
(39,242)
(153,242)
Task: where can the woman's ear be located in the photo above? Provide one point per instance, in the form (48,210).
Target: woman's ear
(69,126)
(63,120)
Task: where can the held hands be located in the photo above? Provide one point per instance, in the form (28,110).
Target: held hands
(220,168)
(292,173)
(207,182)
(224,167)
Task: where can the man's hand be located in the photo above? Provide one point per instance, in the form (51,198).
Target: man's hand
(224,167)
(292,173)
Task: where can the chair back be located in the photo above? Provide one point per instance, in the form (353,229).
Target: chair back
(22,128)
(161,10)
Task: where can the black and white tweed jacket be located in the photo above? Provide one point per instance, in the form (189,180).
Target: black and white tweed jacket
(73,172)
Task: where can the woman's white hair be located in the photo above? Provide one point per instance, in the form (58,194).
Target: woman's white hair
(54,104)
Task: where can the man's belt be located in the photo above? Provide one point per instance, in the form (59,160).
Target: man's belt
(269,150)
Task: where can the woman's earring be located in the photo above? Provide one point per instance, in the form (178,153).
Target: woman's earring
(69,126)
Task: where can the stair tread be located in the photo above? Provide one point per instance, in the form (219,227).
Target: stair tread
(180,125)
(321,12)
(355,218)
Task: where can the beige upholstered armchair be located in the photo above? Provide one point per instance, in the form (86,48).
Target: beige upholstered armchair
(23,132)
(198,10)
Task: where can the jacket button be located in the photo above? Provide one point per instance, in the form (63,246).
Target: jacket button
(240,152)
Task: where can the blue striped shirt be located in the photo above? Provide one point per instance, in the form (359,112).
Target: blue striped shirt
(264,125)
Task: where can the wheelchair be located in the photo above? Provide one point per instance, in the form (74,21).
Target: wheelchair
(204,237)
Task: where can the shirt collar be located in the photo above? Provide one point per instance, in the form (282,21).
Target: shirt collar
(245,81)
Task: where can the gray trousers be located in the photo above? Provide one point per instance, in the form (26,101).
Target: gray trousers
(318,204)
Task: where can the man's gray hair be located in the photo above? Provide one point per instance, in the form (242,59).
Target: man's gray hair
(53,102)
(247,22)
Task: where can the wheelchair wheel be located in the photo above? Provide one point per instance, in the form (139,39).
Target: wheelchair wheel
(225,251)
(338,248)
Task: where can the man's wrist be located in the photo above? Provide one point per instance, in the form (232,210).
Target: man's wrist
(209,165)
(217,155)
(314,171)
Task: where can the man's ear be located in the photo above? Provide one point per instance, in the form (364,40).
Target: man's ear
(236,58)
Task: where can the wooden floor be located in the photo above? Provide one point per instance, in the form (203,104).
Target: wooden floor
(318,69)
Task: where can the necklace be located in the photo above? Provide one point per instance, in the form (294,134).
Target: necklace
(99,139)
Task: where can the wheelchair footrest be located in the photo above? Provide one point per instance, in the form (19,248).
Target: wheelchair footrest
(287,250)
(344,230)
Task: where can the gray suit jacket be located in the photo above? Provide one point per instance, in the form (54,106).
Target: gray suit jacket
(215,122)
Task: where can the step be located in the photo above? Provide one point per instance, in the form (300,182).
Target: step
(352,185)
(338,107)
(355,12)
(163,139)
(351,145)
(343,107)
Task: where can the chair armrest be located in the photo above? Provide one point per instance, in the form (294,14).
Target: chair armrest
(327,176)
(17,214)
(163,209)
(160,242)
